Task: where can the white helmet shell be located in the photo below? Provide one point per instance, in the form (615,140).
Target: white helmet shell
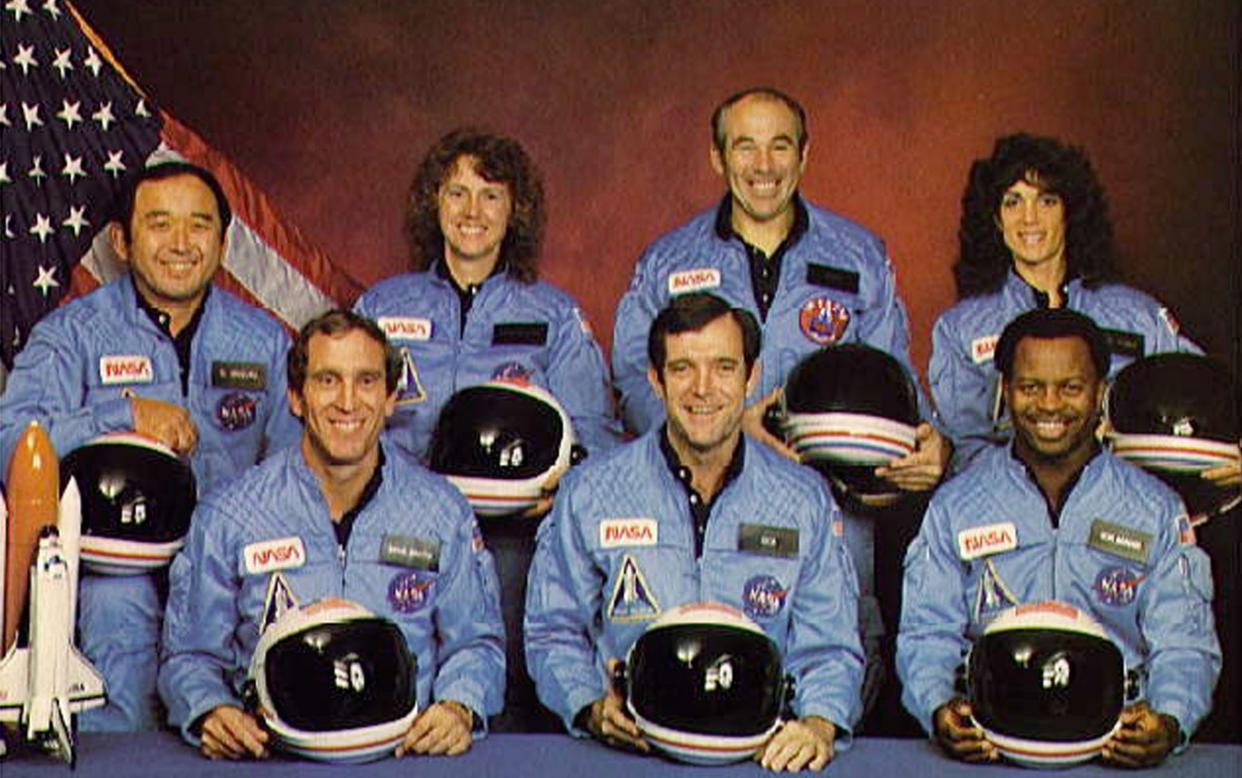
(349,745)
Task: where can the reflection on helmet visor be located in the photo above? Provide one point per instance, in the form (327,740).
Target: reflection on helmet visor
(131,492)
(706,679)
(341,676)
(484,432)
(1046,685)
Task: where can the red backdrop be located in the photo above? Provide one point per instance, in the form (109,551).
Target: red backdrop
(329,105)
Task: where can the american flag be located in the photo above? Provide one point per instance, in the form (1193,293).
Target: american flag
(73,128)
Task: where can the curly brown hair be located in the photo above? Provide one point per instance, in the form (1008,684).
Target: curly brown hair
(984,260)
(500,160)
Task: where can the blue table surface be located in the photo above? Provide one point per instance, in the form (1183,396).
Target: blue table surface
(514,756)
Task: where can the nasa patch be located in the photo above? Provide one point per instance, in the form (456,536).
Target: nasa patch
(1117,586)
(763,597)
(823,320)
(236,411)
(983,349)
(270,555)
(405,327)
(694,280)
(513,372)
(409,591)
(628,532)
(125,369)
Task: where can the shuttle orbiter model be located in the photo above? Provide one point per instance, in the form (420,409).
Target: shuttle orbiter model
(43,680)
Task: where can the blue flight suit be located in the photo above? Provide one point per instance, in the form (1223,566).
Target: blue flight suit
(512,330)
(447,607)
(75,375)
(965,383)
(600,575)
(1122,550)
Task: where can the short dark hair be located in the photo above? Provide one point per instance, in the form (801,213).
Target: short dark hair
(984,260)
(691,313)
(763,92)
(124,213)
(501,160)
(337,322)
(1049,323)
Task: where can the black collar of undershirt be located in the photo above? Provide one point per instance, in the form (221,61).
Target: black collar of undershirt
(345,526)
(1042,299)
(1054,511)
(700,509)
(765,271)
(466,294)
(725,231)
(182,340)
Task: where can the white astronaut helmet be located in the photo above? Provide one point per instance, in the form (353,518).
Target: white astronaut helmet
(704,684)
(849,409)
(334,682)
(499,443)
(1046,684)
(137,499)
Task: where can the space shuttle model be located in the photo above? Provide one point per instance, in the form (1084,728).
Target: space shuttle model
(43,678)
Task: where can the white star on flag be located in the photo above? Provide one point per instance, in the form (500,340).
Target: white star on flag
(70,113)
(114,165)
(93,62)
(25,59)
(31,114)
(42,227)
(62,63)
(18,7)
(52,9)
(77,219)
(72,168)
(104,115)
(36,169)
(46,279)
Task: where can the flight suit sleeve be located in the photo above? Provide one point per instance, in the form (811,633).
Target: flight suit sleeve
(48,385)
(469,626)
(641,410)
(1184,658)
(824,654)
(200,655)
(563,599)
(578,379)
(932,642)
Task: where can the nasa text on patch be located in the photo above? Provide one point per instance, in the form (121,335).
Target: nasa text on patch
(405,327)
(693,280)
(1119,541)
(239,375)
(832,277)
(416,553)
(766,540)
(269,555)
(628,532)
(125,369)
(983,349)
(989,539)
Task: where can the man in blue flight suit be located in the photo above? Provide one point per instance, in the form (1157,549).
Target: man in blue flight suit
(1054,516)
(669,519)
(812,278)
(164,353)
(343,504)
